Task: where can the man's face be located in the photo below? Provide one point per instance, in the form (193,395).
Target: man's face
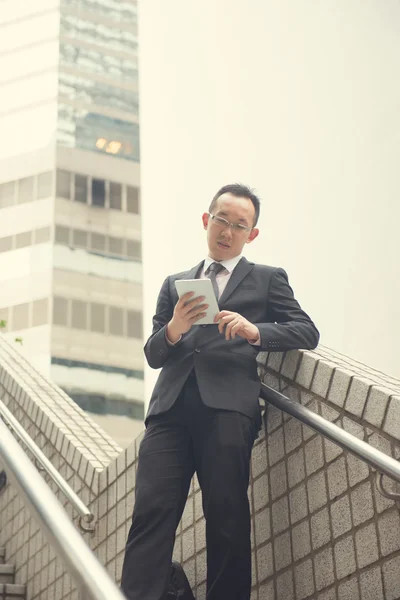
(223,241)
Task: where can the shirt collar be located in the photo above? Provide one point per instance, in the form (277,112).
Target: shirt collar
(229,264)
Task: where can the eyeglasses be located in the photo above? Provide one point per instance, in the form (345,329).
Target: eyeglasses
(223,224)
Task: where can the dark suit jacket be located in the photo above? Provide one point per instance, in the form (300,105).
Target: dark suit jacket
(226,371)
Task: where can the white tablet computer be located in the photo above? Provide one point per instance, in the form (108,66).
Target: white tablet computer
(200,287)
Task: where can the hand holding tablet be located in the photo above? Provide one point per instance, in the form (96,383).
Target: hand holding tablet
(200,287)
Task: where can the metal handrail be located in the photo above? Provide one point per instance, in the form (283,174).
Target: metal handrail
(86,520)
(384,464)
(90,576)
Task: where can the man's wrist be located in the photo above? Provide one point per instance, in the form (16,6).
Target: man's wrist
(172,335)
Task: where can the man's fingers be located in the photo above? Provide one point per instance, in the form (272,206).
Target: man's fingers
(228,330)
(189,304)
(195,309)
(235,329)
(197,317)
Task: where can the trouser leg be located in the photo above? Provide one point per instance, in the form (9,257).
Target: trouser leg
(222,448)
(164,473)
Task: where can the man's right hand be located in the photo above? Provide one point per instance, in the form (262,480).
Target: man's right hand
(187,311)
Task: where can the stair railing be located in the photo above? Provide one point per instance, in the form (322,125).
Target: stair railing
(86,519)
(91,578)
(384,464)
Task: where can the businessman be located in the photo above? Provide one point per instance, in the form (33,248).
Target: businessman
(204,412)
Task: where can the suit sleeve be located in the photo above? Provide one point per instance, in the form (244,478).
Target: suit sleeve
(157,350)
(291,327)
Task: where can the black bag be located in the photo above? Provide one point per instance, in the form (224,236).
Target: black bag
(179,586)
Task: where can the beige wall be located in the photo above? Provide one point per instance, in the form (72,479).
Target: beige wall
(299,100)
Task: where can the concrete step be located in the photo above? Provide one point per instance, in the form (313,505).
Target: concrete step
(12,591)
(2,555)
(7,574)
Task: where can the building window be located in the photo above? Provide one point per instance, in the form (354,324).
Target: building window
(23,239)
(81,188)
(135,327)
(60,311)
(80,238)
(42,235)
(7,194)
(79,318)
(63,184)
(116,320)
(6,243)
(25,190)
(97,317)
(98,192)
(115,196)
(115,245)
(133,249)
(20,316)
(62,235)
(132,200)
(98,241)
(40,311)
(44,185)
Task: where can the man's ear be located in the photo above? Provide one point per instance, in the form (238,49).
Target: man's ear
(253,234)
(205,219)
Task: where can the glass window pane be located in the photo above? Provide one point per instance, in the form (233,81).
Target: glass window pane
(98,241)
(40,312)
(132,199)
(116,320)
(81,188)
(63,184)
(98,192)
(115,196)
(133,249)
(44,185)
(79,238)
(60,311)
(25,190)
(7,194)
(20,316)
(97,317)
(115,245)
(23,239)
(6,243)
(62,235)
(135,324)
(42,235)
(78,319)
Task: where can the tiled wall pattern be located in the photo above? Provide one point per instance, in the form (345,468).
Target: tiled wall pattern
(320,528)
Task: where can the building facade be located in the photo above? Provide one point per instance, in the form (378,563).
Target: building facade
(70,230)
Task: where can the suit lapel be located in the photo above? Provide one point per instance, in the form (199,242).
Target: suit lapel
(239,272)
(193,272)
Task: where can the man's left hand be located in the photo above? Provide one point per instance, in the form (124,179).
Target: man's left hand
(234,325)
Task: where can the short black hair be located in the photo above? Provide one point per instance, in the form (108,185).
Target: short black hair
(240,191)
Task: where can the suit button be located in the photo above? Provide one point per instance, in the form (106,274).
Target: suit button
(197,350)
(204,325)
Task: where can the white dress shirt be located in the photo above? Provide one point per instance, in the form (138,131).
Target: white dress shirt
(222,279)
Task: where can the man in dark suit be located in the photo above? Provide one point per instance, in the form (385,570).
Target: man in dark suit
(204,413)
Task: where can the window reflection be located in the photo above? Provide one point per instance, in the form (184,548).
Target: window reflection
(85,130)
(93,92)
(116,10)
(108,36)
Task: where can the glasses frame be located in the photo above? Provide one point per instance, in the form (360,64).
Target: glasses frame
(236,227)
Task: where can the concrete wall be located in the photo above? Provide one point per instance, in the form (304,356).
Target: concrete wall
(300,100)
(320,529)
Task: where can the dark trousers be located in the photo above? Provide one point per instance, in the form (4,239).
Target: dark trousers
(216,444)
